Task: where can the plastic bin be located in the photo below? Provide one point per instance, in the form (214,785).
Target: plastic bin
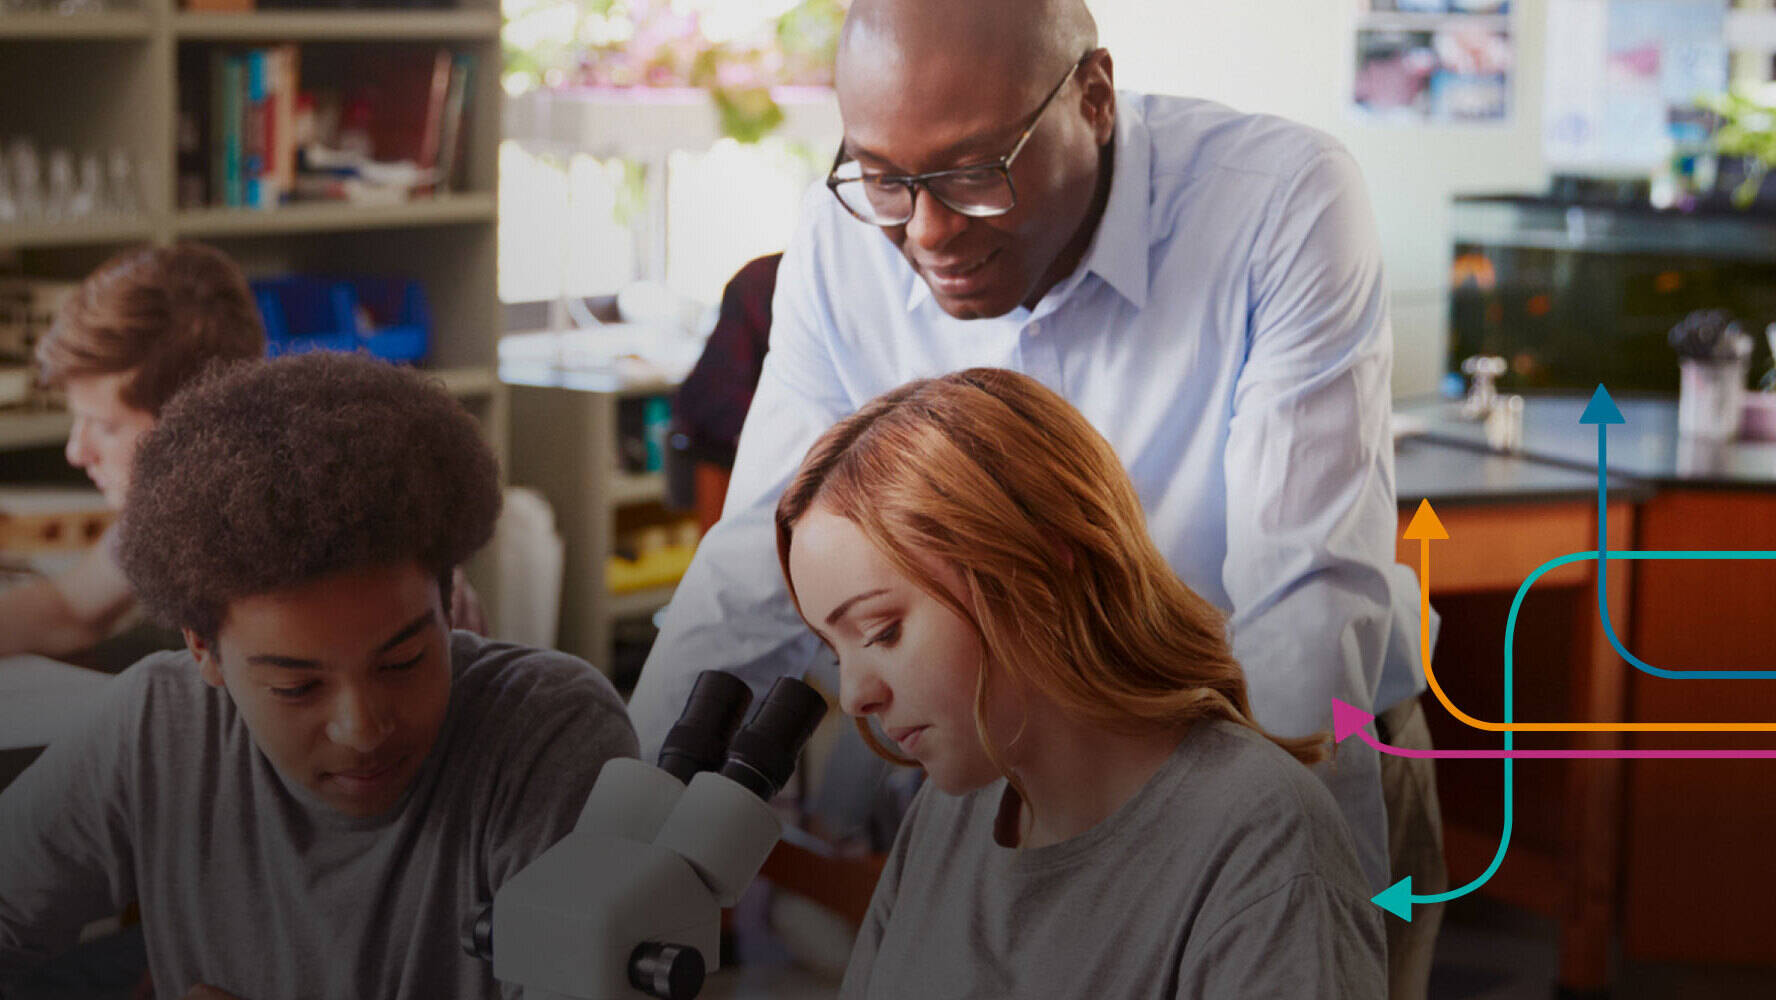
(385,317)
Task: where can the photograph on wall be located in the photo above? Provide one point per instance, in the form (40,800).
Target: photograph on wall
(1453,73)
(1436,6)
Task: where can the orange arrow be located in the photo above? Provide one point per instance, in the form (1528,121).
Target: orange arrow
(1426,528)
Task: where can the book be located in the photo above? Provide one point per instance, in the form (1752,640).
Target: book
(227,83)
(450,132)
(406,87)
(254,104)
(286,86)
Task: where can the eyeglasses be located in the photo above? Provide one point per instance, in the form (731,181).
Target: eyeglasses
(979,192)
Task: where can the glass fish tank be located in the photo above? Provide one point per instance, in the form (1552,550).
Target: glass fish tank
(1572,294)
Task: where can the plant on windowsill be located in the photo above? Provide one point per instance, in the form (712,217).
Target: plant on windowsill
(736,50)
(1746,135)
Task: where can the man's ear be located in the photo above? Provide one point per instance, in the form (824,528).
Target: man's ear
(209,659)
(1100,96)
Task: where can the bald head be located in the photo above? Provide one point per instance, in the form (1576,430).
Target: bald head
(1028,39)
(929,86)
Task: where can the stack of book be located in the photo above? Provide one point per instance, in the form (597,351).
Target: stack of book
(384,124)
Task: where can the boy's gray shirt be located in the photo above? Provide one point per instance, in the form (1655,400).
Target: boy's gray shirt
(1230,874)
(250,884)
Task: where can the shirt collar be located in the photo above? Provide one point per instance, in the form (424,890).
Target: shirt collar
(1119,249)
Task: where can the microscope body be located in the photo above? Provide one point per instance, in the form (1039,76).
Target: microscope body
(568,924)
(651,861)
(628,905)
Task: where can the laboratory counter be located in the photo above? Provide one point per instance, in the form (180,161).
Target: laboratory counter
(1645,448)
(1666,859)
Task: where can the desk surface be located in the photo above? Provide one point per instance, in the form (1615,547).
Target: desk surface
(1646,448)
(1429,469)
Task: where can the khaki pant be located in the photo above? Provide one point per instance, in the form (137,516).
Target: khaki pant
(1415,848)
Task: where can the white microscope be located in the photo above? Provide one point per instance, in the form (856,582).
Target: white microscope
(629,904)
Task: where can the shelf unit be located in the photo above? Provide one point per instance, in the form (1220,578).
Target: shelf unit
(118,24)
(587,489)
(471,24)
(114,77)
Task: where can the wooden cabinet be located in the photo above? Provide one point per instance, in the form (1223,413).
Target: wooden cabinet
(1566,840)
(1670,858)
(1700,871)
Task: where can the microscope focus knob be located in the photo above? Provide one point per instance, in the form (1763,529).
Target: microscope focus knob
(477,933)
(667,971)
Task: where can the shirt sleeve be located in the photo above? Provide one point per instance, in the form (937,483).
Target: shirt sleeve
(573,723)
(66,832)
(732,611)
(1311,510)
(1305,939)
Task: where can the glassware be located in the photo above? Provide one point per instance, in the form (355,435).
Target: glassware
(58,203)
(88,196)
(125,198)
(27,179)
(9,210)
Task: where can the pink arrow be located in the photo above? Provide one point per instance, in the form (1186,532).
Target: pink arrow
(1348,719)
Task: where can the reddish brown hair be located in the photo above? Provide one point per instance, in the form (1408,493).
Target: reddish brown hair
(164,313)
(992,473)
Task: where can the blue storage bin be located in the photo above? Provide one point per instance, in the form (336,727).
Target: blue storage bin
(400,323)
(385,317)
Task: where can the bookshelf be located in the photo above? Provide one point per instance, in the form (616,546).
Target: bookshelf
(110,80)
(120,24)
(465,24)
(590,494)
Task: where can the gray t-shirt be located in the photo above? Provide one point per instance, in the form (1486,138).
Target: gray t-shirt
(1230,874)
(249,884)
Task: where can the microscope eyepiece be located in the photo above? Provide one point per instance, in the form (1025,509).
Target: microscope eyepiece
(762,755)
(699,740)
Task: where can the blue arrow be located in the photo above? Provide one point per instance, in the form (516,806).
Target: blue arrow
(1602,411)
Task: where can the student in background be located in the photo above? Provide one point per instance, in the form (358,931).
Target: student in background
(311,799)
(710,405)
(133,334)
(138,329)
(1102,816)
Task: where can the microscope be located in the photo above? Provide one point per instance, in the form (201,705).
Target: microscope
(629,903)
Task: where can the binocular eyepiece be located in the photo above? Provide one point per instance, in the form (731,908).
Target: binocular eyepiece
(762,755)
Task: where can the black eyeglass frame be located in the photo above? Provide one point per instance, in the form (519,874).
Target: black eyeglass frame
(913,182)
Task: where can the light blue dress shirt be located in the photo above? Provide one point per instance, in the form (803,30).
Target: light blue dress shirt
(1227,331)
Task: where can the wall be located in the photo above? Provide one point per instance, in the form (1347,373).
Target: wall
(1294,58)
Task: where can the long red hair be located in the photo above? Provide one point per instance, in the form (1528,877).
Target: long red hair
(992,473)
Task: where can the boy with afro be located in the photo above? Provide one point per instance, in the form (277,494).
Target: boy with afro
(313,798)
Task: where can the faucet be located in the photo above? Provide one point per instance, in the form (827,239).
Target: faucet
(1483,396)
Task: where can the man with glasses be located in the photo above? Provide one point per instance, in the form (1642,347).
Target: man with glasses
(1204,285)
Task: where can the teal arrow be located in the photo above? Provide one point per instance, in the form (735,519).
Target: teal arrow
(1399,898)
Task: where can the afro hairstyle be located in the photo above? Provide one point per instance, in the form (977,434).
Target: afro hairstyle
(268,475)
